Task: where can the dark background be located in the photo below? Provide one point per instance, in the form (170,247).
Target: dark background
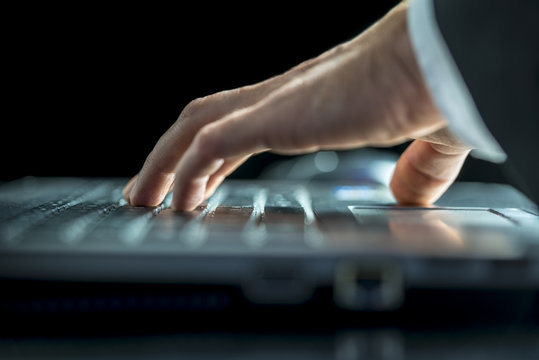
(90,88)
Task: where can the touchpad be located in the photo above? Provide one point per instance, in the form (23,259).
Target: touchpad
(452,217)
(435,231)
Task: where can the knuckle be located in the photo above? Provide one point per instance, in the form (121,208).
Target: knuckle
(207,142)
(188,121)
(193,107)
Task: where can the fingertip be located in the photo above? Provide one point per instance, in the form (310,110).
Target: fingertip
(424,172)
(191,197)
(144,198)
(407,193)
(150,191)
(407,188)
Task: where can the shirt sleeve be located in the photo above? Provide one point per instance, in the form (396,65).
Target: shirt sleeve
(446,84)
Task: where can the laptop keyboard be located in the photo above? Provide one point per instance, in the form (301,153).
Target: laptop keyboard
(89,213)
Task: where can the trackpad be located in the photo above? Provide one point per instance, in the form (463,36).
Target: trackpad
(452,217)
(440,230)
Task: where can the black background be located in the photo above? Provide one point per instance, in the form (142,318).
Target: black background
(89,88)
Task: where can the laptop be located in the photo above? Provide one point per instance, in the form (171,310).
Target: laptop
(305,239)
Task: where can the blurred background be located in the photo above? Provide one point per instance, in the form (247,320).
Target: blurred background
(89,88)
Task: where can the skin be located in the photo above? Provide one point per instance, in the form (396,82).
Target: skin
(365,92)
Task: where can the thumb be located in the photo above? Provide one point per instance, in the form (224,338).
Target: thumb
(425,171)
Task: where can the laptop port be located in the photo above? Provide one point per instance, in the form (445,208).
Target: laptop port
(367,285)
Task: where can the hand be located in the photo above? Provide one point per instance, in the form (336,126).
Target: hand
(365,92)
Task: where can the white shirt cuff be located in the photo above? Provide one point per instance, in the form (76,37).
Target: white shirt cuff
(446,84)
